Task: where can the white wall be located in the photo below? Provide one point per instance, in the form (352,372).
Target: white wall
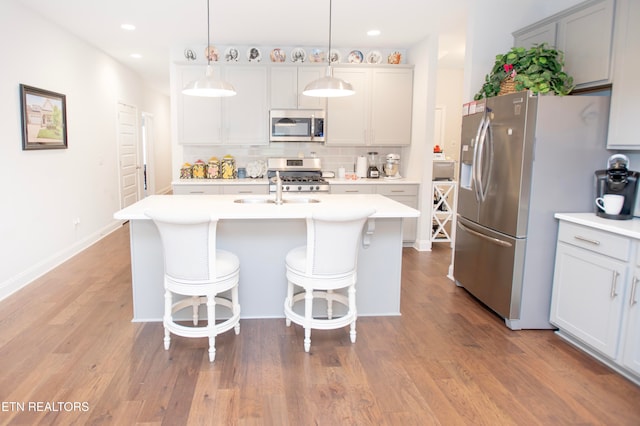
(44,191)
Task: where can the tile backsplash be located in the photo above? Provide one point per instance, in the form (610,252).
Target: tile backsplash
(332,156)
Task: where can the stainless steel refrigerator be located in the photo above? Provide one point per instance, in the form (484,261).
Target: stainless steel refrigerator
(522,160)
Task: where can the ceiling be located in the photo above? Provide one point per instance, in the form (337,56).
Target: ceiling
(163,25)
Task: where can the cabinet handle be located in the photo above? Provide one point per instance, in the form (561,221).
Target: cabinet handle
(355,191)
(398,190)
(587,240)
(614,284)
(634,285)
(245,192)
(196,192)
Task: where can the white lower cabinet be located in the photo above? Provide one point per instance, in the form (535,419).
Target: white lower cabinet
(594,300)
(196,189)
(404,193)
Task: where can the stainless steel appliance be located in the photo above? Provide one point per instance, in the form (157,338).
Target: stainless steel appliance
(443,169)
(300,125)
(391,166)
(618,179)
(522,160)
(297,175)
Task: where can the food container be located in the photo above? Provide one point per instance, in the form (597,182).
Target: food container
(228,167)
(186,171)
(213,168)
(199,169)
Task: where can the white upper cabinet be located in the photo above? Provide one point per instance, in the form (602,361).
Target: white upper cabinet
(586,36)
(544,33)
(238,120)
(584,33)
(199,119)
(379,114)
(623,133)
(287,83)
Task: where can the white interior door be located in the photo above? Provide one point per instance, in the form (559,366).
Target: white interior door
(128,154)
(148,154)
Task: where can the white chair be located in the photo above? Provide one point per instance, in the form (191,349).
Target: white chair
(327,263)
(194,268)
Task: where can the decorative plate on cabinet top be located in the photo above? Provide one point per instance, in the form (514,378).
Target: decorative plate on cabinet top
(278,55)
(211,53)
(231,54)
(317,55)
(335,56)
(254,54)
(374,57)
(355,57)
(298,55)
(394,58)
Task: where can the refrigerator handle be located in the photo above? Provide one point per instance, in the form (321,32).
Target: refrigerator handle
(474,166)
(481,186)
(485,237)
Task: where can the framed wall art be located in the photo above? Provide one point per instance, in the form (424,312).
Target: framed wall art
(44,119)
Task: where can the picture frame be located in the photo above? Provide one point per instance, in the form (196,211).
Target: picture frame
(44,119)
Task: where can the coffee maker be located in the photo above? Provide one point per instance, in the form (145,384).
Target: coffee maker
(618,179)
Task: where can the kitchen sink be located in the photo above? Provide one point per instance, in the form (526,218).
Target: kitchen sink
(254,201)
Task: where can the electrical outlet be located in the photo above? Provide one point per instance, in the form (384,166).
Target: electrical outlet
(76,221)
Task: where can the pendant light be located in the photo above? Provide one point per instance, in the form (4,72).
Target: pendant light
(329,86)
(208,86)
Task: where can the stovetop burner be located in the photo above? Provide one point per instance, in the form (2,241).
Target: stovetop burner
(298,175)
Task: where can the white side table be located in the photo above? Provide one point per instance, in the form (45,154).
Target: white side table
(443,214)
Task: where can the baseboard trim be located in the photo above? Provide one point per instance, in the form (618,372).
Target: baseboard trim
(21,280)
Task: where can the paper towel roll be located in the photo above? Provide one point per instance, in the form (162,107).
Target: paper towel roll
(361,167)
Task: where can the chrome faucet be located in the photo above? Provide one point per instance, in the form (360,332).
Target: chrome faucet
(278,188)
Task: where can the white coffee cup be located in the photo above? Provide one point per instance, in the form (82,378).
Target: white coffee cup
(610,203)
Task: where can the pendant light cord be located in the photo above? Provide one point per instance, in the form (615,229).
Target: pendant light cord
(329,52)
(208,34)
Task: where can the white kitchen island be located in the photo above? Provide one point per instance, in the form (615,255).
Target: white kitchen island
(261,234)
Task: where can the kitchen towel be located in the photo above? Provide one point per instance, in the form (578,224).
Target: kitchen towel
(361,167)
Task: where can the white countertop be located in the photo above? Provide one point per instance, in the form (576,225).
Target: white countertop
(265,181)
(628,228)
(225,207)
(247,181)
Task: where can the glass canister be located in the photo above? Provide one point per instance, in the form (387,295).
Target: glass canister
(213,168)
(228,167)
(186,171)
(199,169)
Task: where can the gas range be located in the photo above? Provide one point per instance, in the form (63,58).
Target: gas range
(297,174)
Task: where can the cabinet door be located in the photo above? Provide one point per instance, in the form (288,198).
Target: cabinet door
(631,356)
(284,87)
(307,74)
(356,188)
(199,118)
(246,189)
(529,36)
(588,296)
(585,37)
(391,106)
(407,195)
(623,125)
(246,115)
(348,117)
(196,189)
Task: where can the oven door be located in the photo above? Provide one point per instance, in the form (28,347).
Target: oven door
(296,126)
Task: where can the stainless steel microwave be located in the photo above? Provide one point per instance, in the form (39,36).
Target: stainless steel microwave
(299,125)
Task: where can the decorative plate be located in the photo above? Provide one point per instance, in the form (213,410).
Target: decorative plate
(211,53)
(374,57)
(394,58)
(231,54)
(317,55)
(355,57)
(256,169)
(298,55)
(254,54)
(335,56)
(278,55)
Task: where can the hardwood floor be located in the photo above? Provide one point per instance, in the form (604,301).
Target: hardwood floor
(70,355)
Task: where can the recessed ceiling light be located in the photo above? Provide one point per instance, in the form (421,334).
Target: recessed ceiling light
(136,55)
(373,33)
(128,27)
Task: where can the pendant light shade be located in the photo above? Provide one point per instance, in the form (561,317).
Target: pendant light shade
(208,86)
(329,86)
